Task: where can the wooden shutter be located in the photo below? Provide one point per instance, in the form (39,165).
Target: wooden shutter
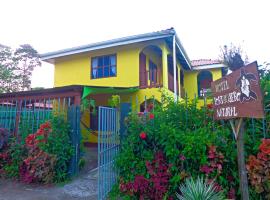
(143,74)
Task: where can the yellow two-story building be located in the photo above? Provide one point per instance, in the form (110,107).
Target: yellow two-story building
(135,68)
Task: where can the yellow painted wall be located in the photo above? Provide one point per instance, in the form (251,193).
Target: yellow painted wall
(137,98)
(76,70)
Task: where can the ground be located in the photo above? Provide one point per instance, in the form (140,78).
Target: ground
(80,188)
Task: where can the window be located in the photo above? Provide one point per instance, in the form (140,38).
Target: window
(103,66)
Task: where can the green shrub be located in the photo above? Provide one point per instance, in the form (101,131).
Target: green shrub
(43,156)
(59,144)
(15,154)
(183,134)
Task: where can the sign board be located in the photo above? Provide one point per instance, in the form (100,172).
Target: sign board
(238,94)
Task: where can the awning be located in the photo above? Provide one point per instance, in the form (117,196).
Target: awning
(87,90)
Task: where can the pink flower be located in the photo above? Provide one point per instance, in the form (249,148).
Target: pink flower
(230,178)
(206,169)
(140,114)
(231,193)
(150,106)
(182,157)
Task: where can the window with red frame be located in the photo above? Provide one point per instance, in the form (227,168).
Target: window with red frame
(103,66)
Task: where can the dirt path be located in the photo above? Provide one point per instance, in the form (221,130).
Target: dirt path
(81,188)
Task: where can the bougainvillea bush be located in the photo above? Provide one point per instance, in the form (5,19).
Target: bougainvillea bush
(42,157)
(259,169)
(171,143)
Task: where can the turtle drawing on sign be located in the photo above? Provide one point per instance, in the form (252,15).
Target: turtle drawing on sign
(243,82)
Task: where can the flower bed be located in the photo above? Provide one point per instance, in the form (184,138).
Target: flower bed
(41,157)
(259,169)
(172,143)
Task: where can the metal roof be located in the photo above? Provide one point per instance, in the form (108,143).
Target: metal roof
(201,62)
(163,34)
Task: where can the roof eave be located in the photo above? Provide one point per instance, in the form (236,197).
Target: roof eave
(212,66)
(49,57)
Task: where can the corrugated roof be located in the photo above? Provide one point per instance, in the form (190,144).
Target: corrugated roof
(202,62)
(49,57)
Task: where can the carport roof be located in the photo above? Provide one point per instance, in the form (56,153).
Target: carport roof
(81,90)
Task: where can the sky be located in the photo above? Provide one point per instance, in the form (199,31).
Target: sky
(203,26)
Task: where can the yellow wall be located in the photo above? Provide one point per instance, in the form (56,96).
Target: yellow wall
(76,69)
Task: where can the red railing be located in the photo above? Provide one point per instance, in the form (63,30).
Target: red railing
(150,79)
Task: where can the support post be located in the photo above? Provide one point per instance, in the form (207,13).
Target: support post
(164,67)
(238,130)
(18,116)
(174,69)
(77,100)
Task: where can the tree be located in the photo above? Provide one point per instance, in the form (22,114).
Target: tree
(264,71)
(16,67)
(232,56)
(7,66)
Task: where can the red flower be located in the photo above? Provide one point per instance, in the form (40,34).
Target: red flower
(46,125)
(4,155)
(143,135)
(265,146)
(210,106)
(39,132)
(262,156)
(151,116)
(30,140)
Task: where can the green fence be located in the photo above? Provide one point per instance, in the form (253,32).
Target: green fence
(22,117)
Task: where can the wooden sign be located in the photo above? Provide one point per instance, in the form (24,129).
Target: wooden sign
(238,94)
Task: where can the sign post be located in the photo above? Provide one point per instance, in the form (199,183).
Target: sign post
(238,96)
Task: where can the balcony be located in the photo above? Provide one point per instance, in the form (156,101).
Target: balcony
(150,67)
(150,78)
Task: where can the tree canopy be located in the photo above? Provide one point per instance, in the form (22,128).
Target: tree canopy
(16,67)
(232,56)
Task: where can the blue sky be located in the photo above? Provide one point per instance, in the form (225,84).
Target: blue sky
(202,26)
